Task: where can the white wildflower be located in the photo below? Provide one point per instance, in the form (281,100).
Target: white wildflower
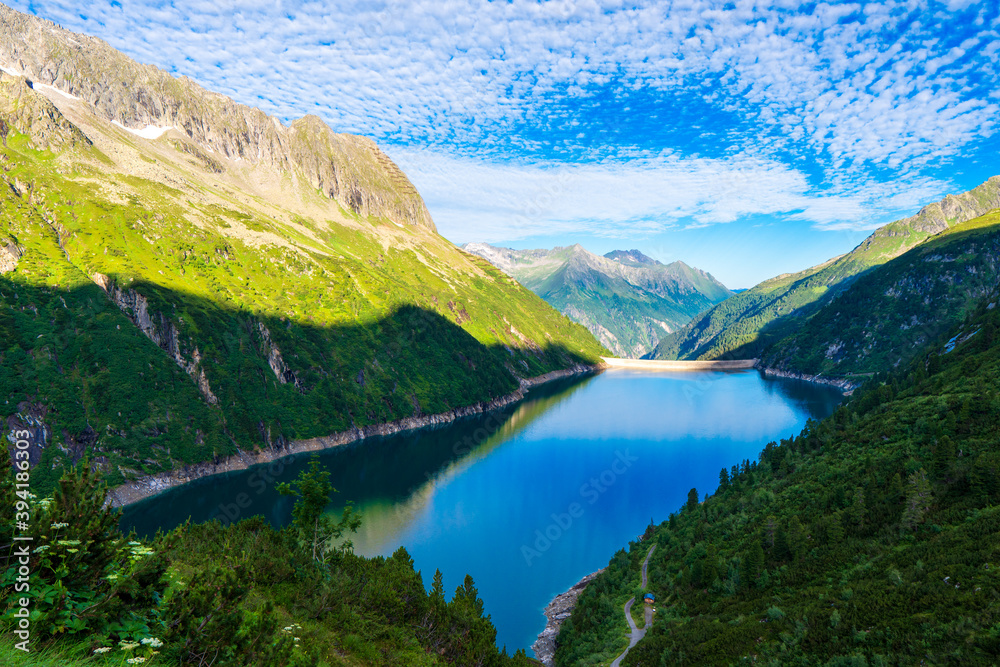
(103,649)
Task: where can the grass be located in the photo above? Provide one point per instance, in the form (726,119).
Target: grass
(367,331)
(745,325)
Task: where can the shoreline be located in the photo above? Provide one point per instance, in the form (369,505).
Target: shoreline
(152,485)
(556,612)
(845,385)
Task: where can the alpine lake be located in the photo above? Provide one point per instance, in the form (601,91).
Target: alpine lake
(531,498)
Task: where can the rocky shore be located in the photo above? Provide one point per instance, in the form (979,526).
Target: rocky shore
(845,385)
(146,487)
(556,612)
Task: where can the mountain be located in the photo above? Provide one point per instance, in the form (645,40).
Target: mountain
(185,280)
(626,299)
(868,539)
(744,325)
(887,315)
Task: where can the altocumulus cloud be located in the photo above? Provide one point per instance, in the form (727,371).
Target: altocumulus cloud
(837,114)
(618,198)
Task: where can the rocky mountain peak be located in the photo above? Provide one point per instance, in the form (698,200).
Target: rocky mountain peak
(938,216)
(32,114)
(631,256)
(346,168)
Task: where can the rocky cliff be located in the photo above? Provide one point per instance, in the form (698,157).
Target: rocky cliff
(34,116)
(349,169)
(174,298)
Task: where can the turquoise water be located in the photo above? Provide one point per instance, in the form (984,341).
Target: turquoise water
(530,499)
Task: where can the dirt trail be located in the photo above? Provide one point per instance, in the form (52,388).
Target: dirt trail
(635,634)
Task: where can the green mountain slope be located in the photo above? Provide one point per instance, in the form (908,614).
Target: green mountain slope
(627,300)
(889,314)
(165,302)
(745,324)
(870,539)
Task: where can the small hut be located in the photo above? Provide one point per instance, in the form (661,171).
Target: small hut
(649,598)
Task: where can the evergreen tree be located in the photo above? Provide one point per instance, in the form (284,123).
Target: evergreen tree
(692,499)
(834,529)
(796,537)
(751,563)
(856,511)
(918,500)
(770,528)
(312,489)
(437,589)
(944,454)
(723,478)
(711,567)
(781,552)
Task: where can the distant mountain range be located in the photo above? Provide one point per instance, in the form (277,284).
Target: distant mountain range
(627,300)
(775,319)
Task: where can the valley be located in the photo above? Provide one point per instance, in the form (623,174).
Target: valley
(269,401)
(628,301)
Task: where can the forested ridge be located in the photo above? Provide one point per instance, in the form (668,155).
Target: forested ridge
(777,312)
(871,538)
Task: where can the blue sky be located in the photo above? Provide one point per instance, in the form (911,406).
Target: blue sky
(746,138)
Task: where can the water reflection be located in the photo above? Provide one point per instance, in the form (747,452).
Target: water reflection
(491,496)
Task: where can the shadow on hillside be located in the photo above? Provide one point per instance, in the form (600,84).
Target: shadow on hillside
(390,477)
(75,361)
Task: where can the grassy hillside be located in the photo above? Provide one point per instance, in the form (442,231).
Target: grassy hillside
(872,538)
(744,325)
(627,300)
(157,312)
(889,314)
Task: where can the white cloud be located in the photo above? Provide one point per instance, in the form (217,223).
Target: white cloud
(465,70)
(474,200)
(857,89)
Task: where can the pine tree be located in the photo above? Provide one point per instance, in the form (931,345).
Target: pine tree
(918,500)
(944,454)
(437,589)
(834,530)
(723,478)
(312,489)
(781,551)
(796,537)
(711,568)
(856,511)
(751,563)
(692,502)
(770,528)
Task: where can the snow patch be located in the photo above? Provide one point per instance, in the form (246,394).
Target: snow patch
(35,85)
(148,132)
(45,86)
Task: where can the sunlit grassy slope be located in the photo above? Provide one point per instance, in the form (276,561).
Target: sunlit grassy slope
(160,305)
(744,325)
